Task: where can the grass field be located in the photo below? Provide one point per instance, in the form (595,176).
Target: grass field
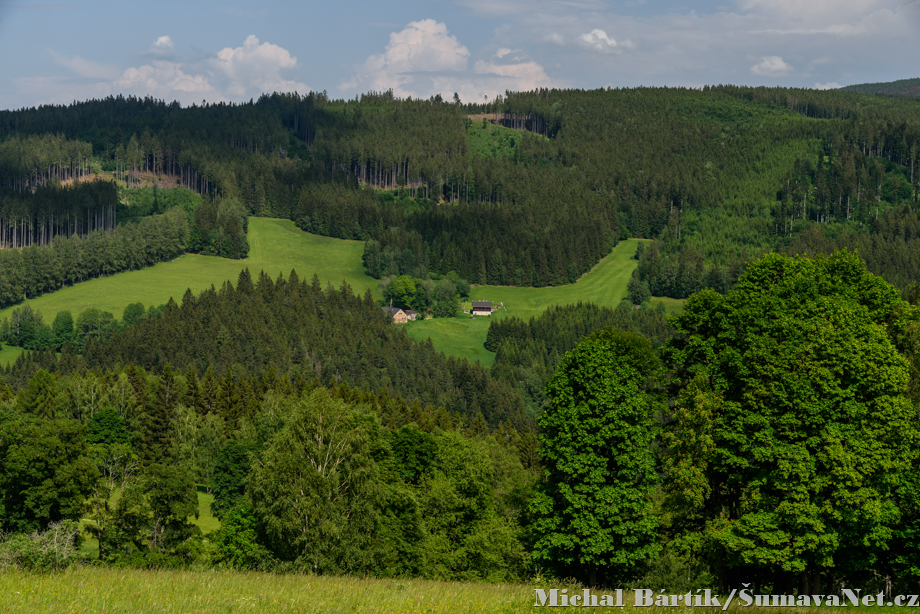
(9,354)
(276,246)
(86,590)
(605,284)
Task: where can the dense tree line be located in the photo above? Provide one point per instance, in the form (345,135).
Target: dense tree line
(31,271)
(27,162)
(395,489)
(58,236)
(36,217)
(527,353)
(293,326)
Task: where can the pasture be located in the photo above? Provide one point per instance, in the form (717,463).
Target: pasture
(9,354)
(85,590)
(90,590)
(605,284)
(275,246)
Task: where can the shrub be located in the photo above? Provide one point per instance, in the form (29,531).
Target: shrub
(50,550)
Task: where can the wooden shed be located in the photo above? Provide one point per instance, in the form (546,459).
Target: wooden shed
(482,308)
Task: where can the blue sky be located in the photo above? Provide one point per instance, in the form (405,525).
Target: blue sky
(202,50)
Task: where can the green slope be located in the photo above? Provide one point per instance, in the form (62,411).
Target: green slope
(276,246)
(464,336)
(902,87)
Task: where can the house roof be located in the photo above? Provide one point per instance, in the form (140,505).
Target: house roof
(392,310)
(410,312)
(482,304)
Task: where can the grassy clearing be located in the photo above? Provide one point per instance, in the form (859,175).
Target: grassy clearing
(605,284)
(671,305)
(276,246)
(9,354)
(460,336)
(206,520)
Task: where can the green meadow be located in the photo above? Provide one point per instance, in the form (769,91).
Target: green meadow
(464,335)
(85,590)
(9,354)
(91,590)
(276,246)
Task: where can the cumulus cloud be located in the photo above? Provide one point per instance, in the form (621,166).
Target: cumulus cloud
(692,43)
(421,47)
(771,66)
(255,68)
(167,81)
(233,73)
(832,85)
(162,48)
(598,40)
(424,59)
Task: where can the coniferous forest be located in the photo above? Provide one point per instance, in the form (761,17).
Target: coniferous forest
(766,434)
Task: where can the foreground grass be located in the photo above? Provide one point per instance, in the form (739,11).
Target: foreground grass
(91,589)
(85,590)
(276,246)
(605,284)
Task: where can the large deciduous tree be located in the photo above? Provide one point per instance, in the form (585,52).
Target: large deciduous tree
(792,437)
(45,474)
(593,516)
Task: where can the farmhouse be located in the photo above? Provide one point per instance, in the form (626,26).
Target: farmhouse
(411,314)
(482,308)
(399,316)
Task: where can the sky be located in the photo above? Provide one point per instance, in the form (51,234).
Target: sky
(196,50)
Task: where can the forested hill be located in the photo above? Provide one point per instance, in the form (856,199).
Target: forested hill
(716,175)
(292,330)
(902,87)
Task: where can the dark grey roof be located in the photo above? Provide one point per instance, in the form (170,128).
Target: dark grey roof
(392,310)
(482,304)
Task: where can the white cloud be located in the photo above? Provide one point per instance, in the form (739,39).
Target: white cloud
(255,68)
(167,81)
(691,43)
(421,47)
(424,59)
(233,73)
(162,48)
(832,85)
(771,66)
(598,40)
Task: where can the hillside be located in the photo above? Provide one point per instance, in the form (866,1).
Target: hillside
(277,247)
(605,442)
(901,87)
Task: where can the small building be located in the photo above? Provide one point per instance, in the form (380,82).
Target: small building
(410,313)
(482,308)
(399,316)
